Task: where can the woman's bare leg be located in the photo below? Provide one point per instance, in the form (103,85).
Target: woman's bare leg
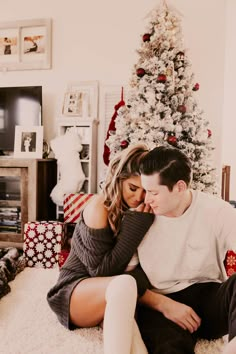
(87,304)
(120,331)
(117,296)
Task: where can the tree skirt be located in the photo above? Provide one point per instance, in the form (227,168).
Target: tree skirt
(28,326)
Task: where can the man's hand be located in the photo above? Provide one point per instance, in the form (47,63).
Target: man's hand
(179,313)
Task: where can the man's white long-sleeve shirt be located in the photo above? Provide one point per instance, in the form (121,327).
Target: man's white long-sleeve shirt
(180,251)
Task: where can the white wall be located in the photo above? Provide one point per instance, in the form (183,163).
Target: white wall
(97,40)
(229,116)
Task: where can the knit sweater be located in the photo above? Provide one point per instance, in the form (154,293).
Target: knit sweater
(96,252)
(180,251)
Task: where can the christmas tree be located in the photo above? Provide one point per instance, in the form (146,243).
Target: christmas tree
(160,107)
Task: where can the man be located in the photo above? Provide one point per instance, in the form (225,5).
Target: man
(183,255)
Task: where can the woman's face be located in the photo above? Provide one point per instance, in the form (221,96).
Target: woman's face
(132,191)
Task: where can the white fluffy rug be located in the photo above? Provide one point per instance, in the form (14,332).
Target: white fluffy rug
(28,326)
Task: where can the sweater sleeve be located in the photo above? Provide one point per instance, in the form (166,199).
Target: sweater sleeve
(142,280)
(104,255)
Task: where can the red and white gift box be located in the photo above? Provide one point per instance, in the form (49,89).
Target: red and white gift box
(73,205)
(42,243)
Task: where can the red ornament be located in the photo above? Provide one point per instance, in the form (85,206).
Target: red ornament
(146,37)
(140,72)
(161,78)
(209,133)
(124,144)
(181,108)
(196,87)
(172,140)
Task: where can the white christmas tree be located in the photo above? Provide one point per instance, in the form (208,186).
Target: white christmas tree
(160,107)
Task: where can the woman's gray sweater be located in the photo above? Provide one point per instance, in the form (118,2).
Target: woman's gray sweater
(97,253)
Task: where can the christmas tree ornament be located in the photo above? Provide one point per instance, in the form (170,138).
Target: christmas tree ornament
(146,37)
(140,72)
(209,133)
(169,71)
(124,144)
(181,108)
(172,140)
(196,87)
(161,78)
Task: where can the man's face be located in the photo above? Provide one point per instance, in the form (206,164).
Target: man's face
(161,200)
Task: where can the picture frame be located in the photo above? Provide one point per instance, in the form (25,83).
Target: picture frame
(81,99)
(28,141)
(74,102)
(25,45)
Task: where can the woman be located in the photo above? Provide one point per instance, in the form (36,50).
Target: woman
(104,241)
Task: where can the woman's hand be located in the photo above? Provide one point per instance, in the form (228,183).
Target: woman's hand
(144,208)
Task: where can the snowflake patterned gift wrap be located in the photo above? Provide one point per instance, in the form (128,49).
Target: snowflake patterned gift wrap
(74,204)
(42,243)
(230,263)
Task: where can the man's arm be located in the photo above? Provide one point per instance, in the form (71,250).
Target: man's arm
(179,313)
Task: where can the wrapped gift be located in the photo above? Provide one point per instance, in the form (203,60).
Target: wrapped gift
(73,205)
(66,243)
(230,262)
(42,243)
(63,257)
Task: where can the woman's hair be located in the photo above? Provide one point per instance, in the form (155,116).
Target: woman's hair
(123,166)
(170,163)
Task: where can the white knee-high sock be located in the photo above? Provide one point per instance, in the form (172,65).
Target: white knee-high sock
(230,347)
(121,297)
(138,346)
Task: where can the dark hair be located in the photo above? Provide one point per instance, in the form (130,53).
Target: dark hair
(170,163)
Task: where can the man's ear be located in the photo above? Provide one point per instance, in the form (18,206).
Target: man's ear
(181,185)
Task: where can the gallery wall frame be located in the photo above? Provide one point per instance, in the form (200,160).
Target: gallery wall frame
(25,45)
(28,141)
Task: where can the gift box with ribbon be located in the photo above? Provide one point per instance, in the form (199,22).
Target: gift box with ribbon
(73,205)
(42,243)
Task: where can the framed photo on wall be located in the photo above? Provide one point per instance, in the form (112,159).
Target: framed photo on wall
(25,45)
(9,45)
(28,141)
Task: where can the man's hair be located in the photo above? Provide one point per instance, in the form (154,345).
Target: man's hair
(170,163)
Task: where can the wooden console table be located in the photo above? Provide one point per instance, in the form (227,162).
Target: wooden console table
(36,178)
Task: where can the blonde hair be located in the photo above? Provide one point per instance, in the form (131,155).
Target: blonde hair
(123,166)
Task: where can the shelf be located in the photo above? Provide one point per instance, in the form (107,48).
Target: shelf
(10,203)
(87,130)
(11,237)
